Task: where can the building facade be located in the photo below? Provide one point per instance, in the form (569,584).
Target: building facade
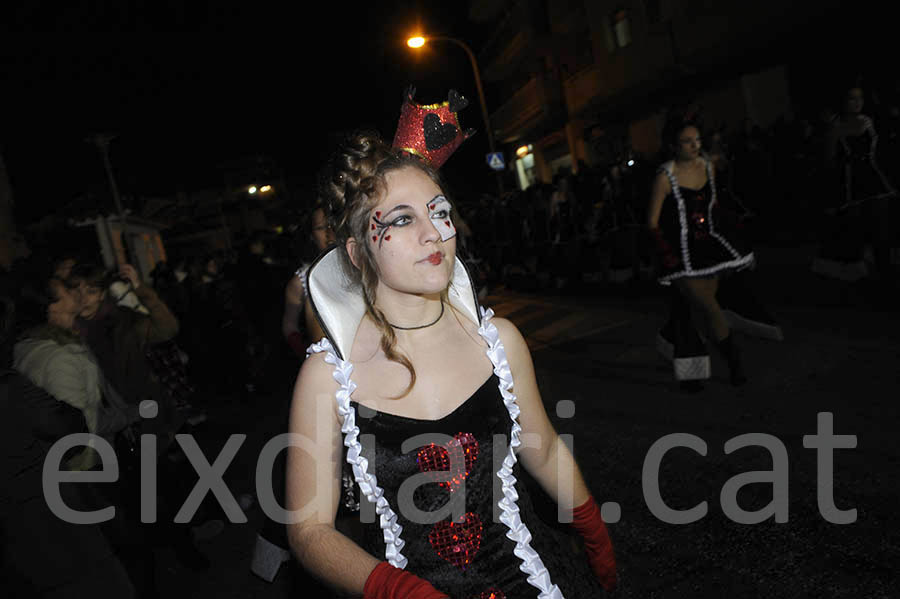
(587,81)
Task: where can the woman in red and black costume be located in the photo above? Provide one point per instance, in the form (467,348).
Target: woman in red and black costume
(427,399)
(698,246)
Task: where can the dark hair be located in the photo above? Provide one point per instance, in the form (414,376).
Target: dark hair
(89,273)
(675,124)
(301,239)
(351,184)
(36,293)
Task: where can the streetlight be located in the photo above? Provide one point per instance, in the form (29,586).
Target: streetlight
(101,140)
(419,41)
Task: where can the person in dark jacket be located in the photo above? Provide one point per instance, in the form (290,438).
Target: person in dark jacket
(119,338)
(42,555)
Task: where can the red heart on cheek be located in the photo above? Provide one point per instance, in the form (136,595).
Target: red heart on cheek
(447,222)
(456,456)
(457,542)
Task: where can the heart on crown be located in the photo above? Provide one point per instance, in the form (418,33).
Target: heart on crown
(437,134)
(457,542)
(456,458)
(456,101)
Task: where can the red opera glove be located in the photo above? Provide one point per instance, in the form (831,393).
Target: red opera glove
(295,340)
(388,582)
(587,521)
(666,255)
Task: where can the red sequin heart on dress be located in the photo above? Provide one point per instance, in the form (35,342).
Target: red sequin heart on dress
(456,457)
(491,593)
(457,542)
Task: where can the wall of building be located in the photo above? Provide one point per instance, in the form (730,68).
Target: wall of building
(584,77)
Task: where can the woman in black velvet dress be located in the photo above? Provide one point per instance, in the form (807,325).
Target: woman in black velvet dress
(412,391)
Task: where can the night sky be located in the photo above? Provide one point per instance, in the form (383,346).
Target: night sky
(187,89)
(184,102)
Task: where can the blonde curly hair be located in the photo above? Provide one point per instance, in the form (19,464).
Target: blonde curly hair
(351,185)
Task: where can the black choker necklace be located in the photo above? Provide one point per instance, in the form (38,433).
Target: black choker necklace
(421,326)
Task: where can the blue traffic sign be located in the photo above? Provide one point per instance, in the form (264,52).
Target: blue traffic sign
(495,161)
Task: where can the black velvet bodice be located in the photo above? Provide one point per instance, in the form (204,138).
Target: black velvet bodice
(413,460)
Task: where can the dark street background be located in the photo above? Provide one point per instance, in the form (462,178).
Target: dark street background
(839,355)
(189,90)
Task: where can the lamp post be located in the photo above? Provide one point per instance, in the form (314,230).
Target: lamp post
(101,140)
(420,40)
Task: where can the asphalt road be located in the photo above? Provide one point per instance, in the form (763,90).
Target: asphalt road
(840,356)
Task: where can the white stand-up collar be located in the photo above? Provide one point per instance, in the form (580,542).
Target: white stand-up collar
(339,305)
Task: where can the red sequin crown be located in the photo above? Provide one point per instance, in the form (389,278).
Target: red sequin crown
(431,132)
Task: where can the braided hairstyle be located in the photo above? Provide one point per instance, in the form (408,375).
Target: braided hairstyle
(352,184)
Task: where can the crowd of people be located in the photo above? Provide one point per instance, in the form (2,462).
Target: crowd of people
(87,349)
(785,182)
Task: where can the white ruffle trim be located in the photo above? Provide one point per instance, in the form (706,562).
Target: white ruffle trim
(368,484)
(300,273)
(532,565)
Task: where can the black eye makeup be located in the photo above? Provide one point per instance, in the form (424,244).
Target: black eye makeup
(401,221)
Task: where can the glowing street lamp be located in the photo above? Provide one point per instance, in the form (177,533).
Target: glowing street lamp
(419,41)
(252,190)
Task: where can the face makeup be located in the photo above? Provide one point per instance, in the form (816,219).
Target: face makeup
(404,237)
(380,228)
(439,213)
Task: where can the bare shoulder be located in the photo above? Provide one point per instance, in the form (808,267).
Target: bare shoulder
(316,375)
(512,338)
(314,394)
(293,291)
(662,182)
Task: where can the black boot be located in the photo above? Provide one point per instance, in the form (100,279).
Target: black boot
(730,352)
